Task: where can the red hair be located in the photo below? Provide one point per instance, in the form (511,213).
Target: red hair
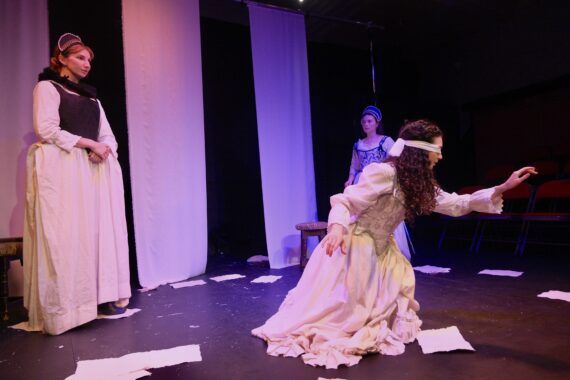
(54,62)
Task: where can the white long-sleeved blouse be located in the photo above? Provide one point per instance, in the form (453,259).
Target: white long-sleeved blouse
(46,119)
(376,206)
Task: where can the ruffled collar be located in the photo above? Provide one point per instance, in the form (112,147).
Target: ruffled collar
(79,88)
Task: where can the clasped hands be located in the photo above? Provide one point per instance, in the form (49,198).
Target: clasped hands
(99,153)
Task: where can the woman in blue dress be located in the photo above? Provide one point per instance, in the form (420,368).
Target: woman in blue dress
(374,147)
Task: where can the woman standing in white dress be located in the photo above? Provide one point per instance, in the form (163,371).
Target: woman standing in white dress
(356,294)
(76,256)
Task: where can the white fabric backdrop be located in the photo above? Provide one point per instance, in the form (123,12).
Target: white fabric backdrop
(25,46)
(25,52)
(166,137)
(278,44)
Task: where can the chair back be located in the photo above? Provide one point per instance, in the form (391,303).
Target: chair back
(553,196)
(519,199)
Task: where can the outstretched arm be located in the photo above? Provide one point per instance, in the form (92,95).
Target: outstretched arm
(487,200)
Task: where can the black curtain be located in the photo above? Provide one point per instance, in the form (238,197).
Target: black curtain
(99,24)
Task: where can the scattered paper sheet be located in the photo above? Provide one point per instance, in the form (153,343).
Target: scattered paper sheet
(556,295)
(324,378)
(226,277)
(126,314)
(446,339)
(132,366)
(186,284)
(257,259)
(499,272)
(430,269)
(266,279)
(144,290)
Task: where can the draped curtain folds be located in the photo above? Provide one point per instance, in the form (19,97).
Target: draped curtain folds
(24,39)
(281,82)
(166,138)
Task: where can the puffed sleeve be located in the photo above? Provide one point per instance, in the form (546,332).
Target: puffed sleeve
(354,163)
(485,200)
(387,145)
(375,180)
(106,135)
(46,117)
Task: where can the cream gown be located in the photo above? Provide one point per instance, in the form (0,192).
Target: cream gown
(76,252)
(345,306)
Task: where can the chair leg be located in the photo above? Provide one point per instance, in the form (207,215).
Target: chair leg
(475,236)
(442,236)
(481,233)
(4,287)
(523,236)
(303,250)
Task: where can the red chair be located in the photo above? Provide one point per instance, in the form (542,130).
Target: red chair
(551,206)
(516,203)
(547,171)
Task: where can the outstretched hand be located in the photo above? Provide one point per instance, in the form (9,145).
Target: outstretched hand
(334,239)
(518,177)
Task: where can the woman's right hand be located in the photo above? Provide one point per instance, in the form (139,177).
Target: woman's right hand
(101,150)
(95,158)
(334,239)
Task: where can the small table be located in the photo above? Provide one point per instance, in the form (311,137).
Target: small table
(310,229)
(10,249)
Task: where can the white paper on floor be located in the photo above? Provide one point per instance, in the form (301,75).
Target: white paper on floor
(126,314)
(430,269)
(499,272)
(556,295)
(266,279)
(257,259)
(186,284)
(324,378)
(442,340)
(144,290)
(226,277)
(132,366)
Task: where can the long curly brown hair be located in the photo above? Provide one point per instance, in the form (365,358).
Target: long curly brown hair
(415,178)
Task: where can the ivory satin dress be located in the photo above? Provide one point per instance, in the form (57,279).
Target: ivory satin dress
(346,306)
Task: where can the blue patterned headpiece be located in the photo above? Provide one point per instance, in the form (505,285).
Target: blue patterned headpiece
(372,111)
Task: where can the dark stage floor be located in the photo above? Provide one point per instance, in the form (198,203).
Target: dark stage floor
(516,335)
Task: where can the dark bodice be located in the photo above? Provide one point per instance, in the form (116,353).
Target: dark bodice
(78,114)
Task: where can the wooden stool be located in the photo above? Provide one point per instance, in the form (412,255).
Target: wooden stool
(10,249)
(310,229)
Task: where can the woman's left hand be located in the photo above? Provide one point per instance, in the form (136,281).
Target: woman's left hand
(518,177)
(95,158)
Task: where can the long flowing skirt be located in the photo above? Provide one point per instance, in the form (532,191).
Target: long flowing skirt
(75,238)
(346,306)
